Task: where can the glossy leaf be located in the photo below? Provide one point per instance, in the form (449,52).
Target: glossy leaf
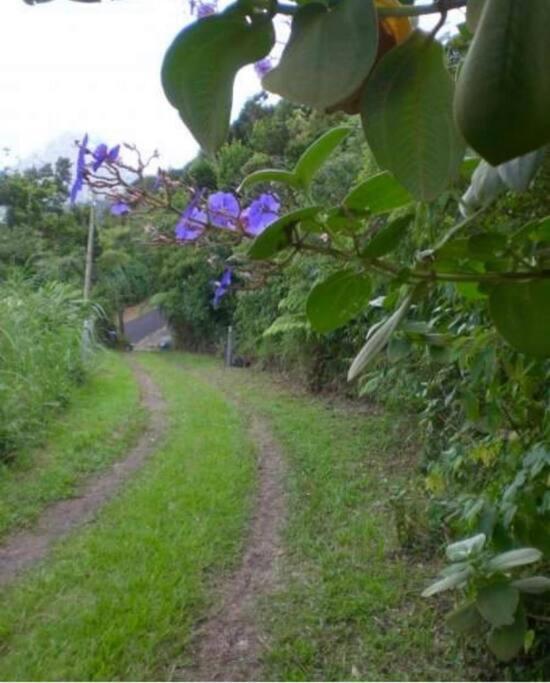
(447,583)
(270,175)
(317,154)
(379,194)
(408,120)
(497,603)
(520,312)
(329,54)
(503,91)
(338,299)
(388,238)
(462,550)
(276,236)
(514,558)
(378,339)
(201,64)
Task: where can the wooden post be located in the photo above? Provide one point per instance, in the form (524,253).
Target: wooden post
(89,255)
(229,347)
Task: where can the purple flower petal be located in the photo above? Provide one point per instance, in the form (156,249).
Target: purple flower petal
(78,183)
(120,209)
(100,154)
(192,221)
(206,9)
(222,287)
(263,67)
(223,210)
(113,154)
(262,212)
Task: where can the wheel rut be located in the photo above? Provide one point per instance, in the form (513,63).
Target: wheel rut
(229,644)
(24,548)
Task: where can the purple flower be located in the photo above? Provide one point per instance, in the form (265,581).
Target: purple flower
(261,213)
(223,210)
(102,154)
(206,9)
(192,221)
(78,183)
(263,67)
(222,287)
(120,209)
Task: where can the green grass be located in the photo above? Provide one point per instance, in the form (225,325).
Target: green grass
(117,601)
(102,421)
(350,606)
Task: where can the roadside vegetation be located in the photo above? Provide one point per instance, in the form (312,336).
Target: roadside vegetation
(101,423)
(41,358)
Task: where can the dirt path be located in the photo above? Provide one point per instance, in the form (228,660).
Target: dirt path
(229,644)
(24,548)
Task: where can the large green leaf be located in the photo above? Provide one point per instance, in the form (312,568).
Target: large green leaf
(502,101)
(269,175)
(473,13)
(447,583)
(338,299)
(506,642)
(521,312)
(317,153)
(379,194)
(497,603)
(329,54)
(201,64)
(277,235)
(378,339)
(408,120)
(463,550)
(388,238)
(533,584)
(514,558)
(464,619)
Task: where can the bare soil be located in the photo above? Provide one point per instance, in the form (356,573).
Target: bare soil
(24,548)
(228,646)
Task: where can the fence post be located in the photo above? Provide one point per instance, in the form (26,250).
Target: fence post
(229,347)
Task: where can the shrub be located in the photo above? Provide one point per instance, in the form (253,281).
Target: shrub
(41,357)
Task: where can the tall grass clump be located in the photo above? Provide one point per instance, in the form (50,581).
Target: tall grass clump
(41,357)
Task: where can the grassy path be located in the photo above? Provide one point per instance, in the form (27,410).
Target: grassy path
(124,598)
(349,605)
(118,600)
(102,422)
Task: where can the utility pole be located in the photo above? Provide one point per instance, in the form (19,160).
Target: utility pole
(89,254)
(88,331)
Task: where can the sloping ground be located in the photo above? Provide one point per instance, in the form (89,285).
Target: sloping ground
(257,543)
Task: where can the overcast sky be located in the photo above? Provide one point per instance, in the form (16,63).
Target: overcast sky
(70,67)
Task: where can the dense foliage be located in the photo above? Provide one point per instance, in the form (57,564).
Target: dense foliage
(41,357)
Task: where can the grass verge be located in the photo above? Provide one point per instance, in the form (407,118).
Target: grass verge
(100,424)
(117,601)
(350,606)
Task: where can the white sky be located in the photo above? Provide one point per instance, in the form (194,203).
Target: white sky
(69,67)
